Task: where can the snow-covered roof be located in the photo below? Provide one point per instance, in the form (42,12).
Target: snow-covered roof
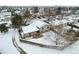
(38,23)
(77,24)
(62,21)
(17,12)
(33,26)
(38,19)
(8,22)
(5,10)
(28,29)
(5,15)
(58,22)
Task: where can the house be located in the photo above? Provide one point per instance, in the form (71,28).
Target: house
(7,23)
(59,17)
(4,10)
(37,15)
(77,12)
(29,31)
(67,12)
(17,12)
(6,16)
(35,29)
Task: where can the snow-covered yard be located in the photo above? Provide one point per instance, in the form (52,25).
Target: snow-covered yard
(32,49)
(6,45)
(49,38)
(10,41)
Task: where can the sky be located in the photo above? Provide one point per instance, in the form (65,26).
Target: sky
(39,2)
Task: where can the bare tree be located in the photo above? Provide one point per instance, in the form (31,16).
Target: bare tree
(48,12)
(57,39)
(27,15)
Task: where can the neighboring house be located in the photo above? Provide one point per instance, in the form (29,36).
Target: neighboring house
(67,12)
(4,10)
(77,12)
(29,31)
(6,16)
(35,29)
(22,12)
(17,12)
(41,10)
(59,17)
(37,14)
(7,23)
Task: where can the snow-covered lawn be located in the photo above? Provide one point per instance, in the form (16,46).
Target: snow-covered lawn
(74,48)
(6,45)
(49,38)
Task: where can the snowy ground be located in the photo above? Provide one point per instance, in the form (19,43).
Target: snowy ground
(49,38)
(6,45)
(74,48)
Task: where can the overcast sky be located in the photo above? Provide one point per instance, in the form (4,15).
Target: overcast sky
(39,2)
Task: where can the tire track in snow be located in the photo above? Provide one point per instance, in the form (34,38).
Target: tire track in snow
(17,47)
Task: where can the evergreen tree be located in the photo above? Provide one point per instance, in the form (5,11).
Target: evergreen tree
(3,28)
(17,21)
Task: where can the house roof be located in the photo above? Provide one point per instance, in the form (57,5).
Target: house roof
(62,21)
(28,29)
(5,15)
(17,12)
(33,26)
(38,23)
(8,22)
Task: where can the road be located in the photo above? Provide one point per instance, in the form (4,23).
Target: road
(6,45)
(17,47)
